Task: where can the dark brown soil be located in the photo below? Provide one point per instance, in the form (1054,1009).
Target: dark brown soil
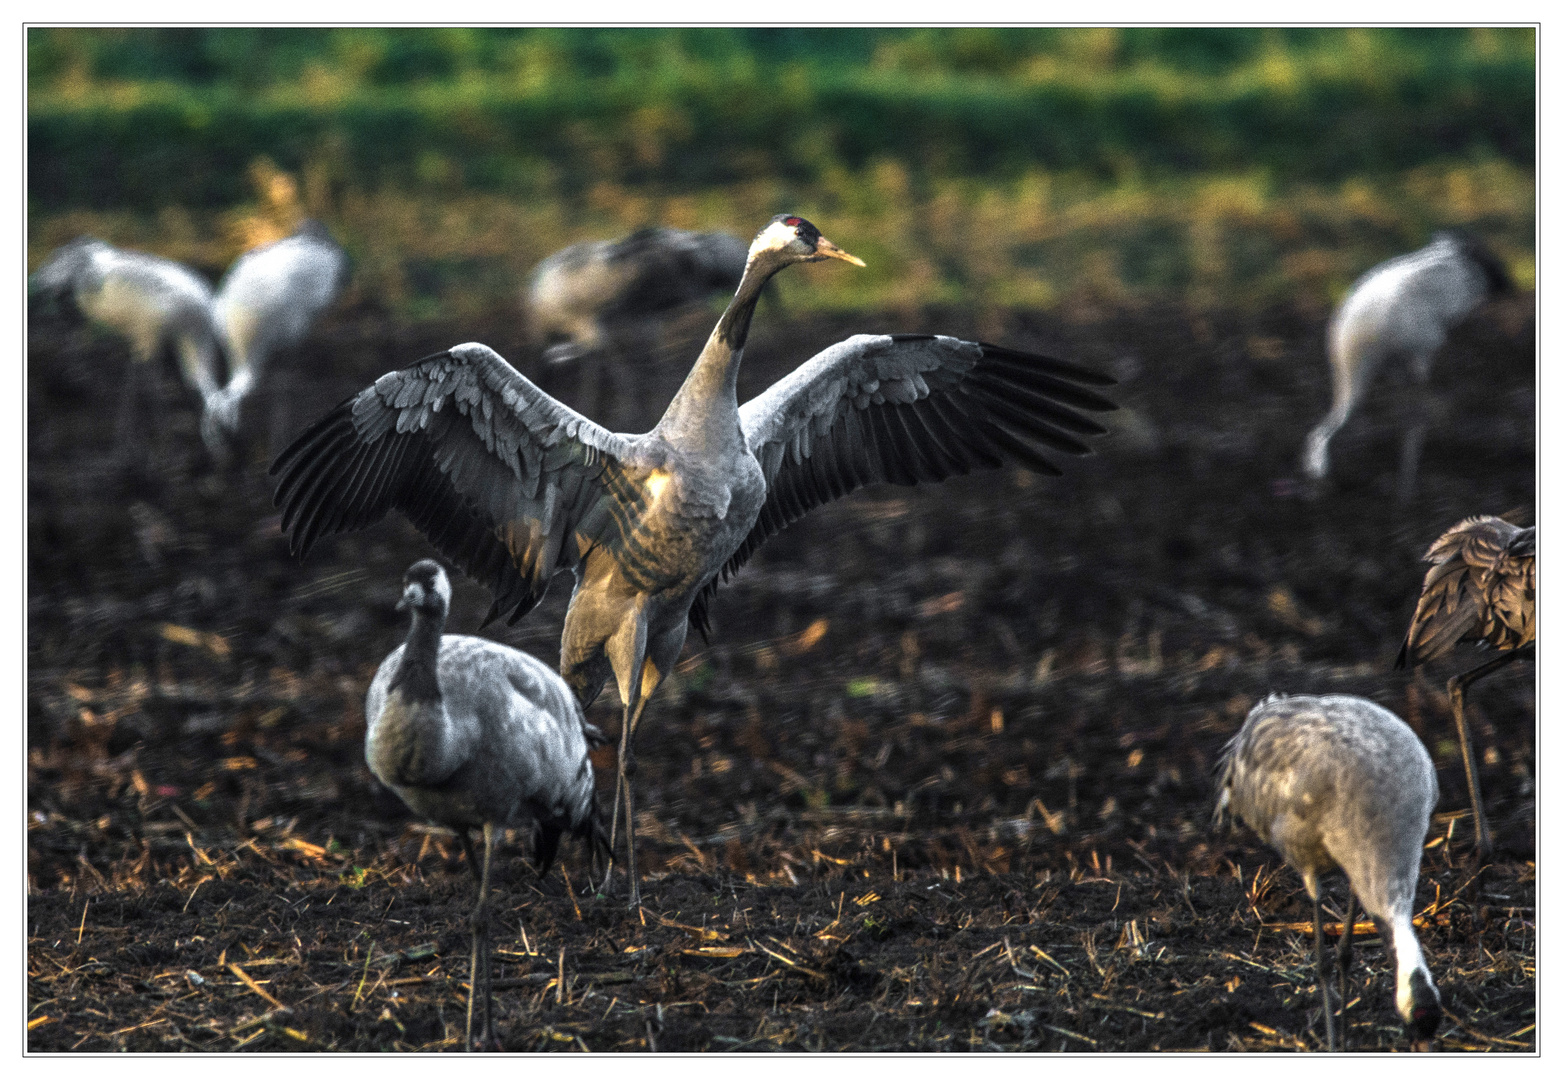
(942,780)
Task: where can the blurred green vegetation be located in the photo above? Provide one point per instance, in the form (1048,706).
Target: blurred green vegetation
(997,167)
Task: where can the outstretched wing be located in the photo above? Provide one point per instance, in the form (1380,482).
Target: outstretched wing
(506,482)
(1482,587)
(906,409)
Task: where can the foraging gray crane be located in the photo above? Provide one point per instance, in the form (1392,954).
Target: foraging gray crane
(511,485)
(267,301)
(1403,307)
(153,301)
(1481,588)
(474,735)
(608,297)
(1338,781)
(587,290)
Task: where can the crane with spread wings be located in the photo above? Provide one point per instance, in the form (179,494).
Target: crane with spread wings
(512,486)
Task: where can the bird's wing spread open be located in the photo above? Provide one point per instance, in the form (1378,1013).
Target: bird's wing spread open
(906,409)
(506,482)
(1482,585)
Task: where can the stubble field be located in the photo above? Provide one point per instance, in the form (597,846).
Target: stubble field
(941,781)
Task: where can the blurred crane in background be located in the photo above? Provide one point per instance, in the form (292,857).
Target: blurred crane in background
(472,734)
(512,485)
(608,300)
(267,301)
(1402,308)
(1481,588)
(1338,781)
(156,303)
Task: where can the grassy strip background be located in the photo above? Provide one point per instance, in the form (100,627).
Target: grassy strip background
(550,117)
(1050,241)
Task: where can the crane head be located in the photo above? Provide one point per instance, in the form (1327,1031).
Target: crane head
(797,240)
(425,588)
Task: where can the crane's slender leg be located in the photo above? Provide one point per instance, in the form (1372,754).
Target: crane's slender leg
(472,977)
(478,980)
(1343,959)
(626,651)
(618,797)
(1457,687)
(1324,979)
(627,770)
(490,1038)
(627,775)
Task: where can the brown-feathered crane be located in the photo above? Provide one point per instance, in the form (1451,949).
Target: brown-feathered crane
(1482,588)
(512,486)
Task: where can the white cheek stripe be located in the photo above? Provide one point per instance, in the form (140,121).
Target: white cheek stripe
(442,587)
(773,237)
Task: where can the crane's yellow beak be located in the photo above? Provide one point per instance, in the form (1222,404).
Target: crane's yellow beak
(825,247)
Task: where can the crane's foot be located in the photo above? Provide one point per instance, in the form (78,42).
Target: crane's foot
(631,888)
(485,1042)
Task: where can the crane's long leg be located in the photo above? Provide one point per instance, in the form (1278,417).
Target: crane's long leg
(626,775)
(472,979)
(1343,959)
(478,980)
(490,1036)
(626,651)
(1324,979)
(1457,688)
(621,793)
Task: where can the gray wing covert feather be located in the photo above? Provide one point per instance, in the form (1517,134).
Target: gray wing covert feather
(493,471)
(906,409)
(533,736)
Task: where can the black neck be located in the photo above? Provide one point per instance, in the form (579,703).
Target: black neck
(705,410)
(418,676)
(732,329)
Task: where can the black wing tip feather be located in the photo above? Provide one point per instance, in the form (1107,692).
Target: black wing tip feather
(700,612)
(1062,368)
(295,448)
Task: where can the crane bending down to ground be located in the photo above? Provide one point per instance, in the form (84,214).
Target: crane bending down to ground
(155,302)
(1338,781)
(587,291)
(267,301)
(512,486)
(474,735)
(607,299)
(1402,308)
(1481,588)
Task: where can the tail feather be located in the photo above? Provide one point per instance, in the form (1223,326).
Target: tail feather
(545,846)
